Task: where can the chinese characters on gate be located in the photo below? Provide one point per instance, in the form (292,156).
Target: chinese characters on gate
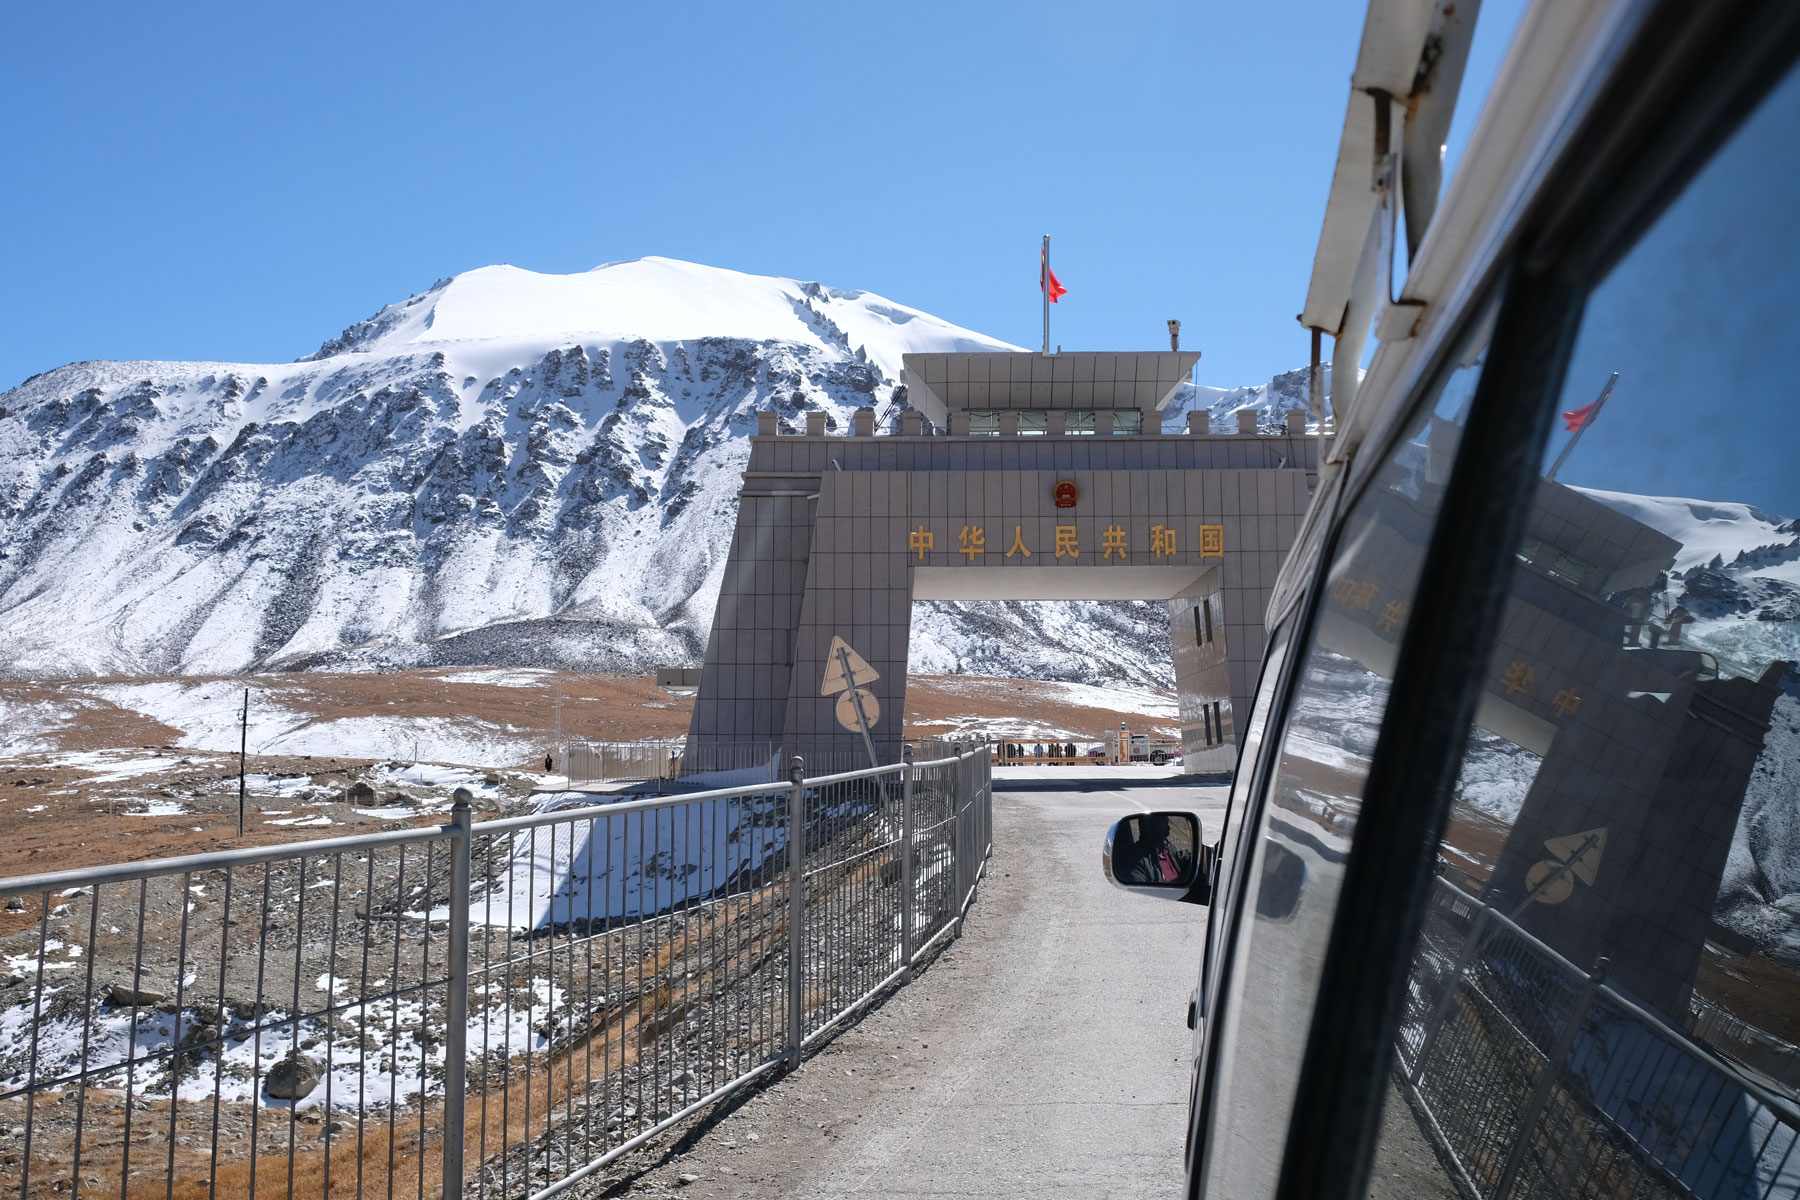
(1518,678)
(1115,542)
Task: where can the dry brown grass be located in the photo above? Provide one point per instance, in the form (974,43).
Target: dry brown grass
(75,825)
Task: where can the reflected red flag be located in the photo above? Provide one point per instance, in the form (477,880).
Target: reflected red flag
(1573,421)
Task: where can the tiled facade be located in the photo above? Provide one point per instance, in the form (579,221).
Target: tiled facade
(836,537)
(1645,754)
(1198,639)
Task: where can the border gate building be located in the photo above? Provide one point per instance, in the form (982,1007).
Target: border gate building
(1044,477)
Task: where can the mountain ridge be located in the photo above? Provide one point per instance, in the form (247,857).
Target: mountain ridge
(481,472)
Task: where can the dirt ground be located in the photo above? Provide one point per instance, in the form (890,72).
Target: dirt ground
(110,782)
(599,706)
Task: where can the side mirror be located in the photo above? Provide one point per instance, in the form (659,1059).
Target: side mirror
(1160,854)
(1283,878)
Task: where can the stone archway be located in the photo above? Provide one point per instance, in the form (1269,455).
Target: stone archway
(837,536)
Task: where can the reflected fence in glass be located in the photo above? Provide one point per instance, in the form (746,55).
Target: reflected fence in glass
(1533,1077)
(494,1008)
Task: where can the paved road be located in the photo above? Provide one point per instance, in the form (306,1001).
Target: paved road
(1044,1053)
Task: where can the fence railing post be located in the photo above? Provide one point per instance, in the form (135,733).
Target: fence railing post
(796,1017)
(908,884)
(986,776)
(456,998)
(1553,1063)
(959,850)
(1440,1012)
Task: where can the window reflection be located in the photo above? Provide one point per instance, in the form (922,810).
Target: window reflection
(1302,839)
(1607,997)
(1637,748)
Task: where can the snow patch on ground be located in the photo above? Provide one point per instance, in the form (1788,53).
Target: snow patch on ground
(1143,709)
(605,868)
(974,725)
(438,739)
(436,775)
(155,808)
(115,766)
(209,713)
(1124,700)
(24,724)
(1127,701)
(512,677)
(286,786)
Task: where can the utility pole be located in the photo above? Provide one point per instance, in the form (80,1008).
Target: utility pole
(243,749)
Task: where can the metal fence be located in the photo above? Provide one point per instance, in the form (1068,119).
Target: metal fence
(1757,1049)
(670,758)
(480,1008)
(1533,1077)
(728,763)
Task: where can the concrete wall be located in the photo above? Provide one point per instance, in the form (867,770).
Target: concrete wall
(1197,638)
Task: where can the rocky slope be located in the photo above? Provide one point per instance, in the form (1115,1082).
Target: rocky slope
(507,468)
(1738,577)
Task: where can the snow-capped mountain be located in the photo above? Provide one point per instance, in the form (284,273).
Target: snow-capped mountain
(1738,577)
(509,467)
(1737,574)
(1271,400)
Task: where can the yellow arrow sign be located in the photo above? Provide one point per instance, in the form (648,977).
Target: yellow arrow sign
(1581,851)
(860,671)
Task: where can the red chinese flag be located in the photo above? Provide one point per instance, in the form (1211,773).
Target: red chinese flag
(1047,281)
(1574,421)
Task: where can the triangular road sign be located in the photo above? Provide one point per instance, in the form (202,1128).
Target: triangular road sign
(861,672)
(1587,866)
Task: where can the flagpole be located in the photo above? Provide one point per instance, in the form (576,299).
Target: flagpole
(1593,413)
(1044,287)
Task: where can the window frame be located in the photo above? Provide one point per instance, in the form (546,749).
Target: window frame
(1229,860)
(1687,78)
(1217,953)
(1298,630)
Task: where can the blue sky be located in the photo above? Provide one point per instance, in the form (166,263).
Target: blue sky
(239,182)
(1697,319)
